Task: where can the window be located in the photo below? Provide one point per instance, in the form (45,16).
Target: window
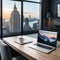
(31,16)
(11,17)
(21,16)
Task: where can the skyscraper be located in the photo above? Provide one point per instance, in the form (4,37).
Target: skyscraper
(15,21)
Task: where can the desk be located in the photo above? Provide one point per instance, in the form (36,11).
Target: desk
(32,54)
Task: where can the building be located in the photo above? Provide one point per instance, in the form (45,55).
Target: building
(5,27)
(27,26)
(35,26)
(15,20)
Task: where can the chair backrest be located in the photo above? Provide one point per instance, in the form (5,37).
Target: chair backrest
(0,51)
(5,51)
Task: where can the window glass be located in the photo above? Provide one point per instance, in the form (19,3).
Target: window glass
(11,16)
(11,13)
(31,16)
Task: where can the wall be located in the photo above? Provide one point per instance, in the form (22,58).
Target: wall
(45,7)
(53,10)
(53,7)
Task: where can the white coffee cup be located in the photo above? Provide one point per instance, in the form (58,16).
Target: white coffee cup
(21,39)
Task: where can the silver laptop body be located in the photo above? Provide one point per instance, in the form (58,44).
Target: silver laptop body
(46,42)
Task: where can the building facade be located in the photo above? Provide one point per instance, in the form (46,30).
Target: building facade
(15,21)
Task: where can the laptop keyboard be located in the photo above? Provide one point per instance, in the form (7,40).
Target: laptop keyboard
(46,47)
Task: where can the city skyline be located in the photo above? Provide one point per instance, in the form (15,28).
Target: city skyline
(12,16)
(8,8)
(11,26)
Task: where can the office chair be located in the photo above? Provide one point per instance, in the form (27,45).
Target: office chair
(0,52)
(5,53)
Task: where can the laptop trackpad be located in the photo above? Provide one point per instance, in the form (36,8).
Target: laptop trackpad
(40,48)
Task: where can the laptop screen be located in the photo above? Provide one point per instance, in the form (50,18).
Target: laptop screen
(47,37)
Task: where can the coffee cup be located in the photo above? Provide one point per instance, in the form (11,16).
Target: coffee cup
(21,39)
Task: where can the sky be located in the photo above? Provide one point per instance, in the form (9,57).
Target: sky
(8,6)
(28,9)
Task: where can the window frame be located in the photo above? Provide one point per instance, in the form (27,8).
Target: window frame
(22,32)
(1,21)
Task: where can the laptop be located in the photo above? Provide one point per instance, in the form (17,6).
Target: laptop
(46,42)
